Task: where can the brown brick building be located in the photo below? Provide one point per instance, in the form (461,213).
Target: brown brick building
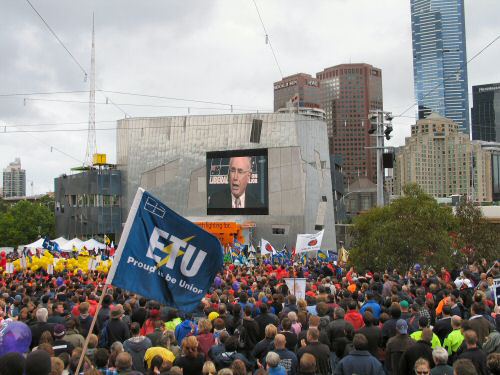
(299,89)
(346,93)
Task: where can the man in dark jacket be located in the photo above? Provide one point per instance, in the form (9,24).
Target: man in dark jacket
(389,328)
(288,359)
(443,326)
(479,323)
(226,358)
(265,317)
(261,349)
(291,337)
(396,346)
(117,330)
(61,345)
(320,351)
(476,355)
(157,334)
(250,332)
(421,349)
(136,346)
(140,314)
(104,312)
(40,326)
(359,361)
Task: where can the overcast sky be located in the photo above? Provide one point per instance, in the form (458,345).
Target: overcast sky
(195,49)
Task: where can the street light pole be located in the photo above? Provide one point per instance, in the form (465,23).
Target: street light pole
(378,131)
(380,155)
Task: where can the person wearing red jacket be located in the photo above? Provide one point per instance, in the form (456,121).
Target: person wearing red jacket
(353,316)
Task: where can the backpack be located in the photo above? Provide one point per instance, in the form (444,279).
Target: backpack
(103,336)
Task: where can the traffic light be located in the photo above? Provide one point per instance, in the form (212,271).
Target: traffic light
(388,131)
(373,129)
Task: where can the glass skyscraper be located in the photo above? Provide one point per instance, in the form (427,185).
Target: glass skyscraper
(439,59)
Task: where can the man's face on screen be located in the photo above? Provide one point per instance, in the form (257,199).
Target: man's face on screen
(239,174)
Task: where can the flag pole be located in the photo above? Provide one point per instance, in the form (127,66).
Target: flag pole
(91,329)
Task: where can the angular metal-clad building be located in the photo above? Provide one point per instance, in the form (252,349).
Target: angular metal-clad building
(167,157)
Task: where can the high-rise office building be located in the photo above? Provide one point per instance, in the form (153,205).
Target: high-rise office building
(300,90)
(14,180)
(348,93)
(440,59)
(444,162)
(486,112)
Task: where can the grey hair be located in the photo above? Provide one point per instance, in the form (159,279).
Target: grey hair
(440,355)
(42,314)
(117,346)
(272,359)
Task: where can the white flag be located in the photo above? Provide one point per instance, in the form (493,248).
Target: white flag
(309,242)
(23,262)
(296,286)
(9,268)
(50,269)
(266,248)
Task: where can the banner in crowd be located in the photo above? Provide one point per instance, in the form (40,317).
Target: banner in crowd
(309,242)
(296,286)
(163,256)
(266,248)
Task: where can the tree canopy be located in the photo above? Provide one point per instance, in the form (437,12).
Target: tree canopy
(412,229)
(22,222)
(475,238)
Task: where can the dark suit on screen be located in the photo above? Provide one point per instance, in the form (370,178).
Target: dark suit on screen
(223,199)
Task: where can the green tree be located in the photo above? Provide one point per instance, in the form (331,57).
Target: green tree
(475,237)
(412,229)
(24,221)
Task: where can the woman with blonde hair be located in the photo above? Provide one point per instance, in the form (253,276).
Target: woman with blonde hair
(208,368)
(191,361)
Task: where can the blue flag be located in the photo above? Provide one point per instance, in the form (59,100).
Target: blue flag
(165,257)
(50,245)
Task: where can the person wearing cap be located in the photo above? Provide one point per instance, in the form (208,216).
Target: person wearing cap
(405,313)
(423,322)
(61,345)
(117,330)
(396,346)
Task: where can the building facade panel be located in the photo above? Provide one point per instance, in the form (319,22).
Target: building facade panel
(486,112)
(88,204)
(14,180)
(439,59)
(298,184)
(443,161)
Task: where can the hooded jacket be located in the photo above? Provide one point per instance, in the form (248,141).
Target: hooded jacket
(136,347)
(355,318)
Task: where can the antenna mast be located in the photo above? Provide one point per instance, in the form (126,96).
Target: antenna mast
(91,137)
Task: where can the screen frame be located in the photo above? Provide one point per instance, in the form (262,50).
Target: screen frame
(235,153)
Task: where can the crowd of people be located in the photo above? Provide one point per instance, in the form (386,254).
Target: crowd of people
(421,321)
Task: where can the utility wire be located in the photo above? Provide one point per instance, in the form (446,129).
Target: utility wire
(6,95)
(137,105)
(451,75)
(71,55)
(57,38)
(268,39)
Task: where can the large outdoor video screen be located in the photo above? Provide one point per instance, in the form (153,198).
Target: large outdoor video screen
(237,182)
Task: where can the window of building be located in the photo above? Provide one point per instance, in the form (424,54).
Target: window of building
(256,130)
